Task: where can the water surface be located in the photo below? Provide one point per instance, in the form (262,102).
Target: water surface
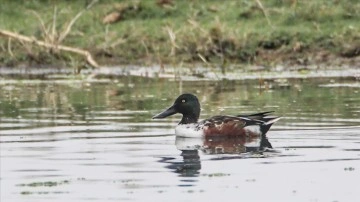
(74,140)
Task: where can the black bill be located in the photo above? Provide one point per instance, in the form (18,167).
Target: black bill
(166,113)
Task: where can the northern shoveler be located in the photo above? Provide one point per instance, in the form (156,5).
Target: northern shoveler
(253,125)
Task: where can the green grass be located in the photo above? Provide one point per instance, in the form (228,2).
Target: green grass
(218,31)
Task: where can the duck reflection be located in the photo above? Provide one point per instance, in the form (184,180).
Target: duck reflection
(234,145)
(189,166)
(223,145)
(191,147)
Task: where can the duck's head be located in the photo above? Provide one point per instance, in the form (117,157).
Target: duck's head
(186,104)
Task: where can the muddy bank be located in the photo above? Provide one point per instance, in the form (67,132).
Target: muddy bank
(183,73)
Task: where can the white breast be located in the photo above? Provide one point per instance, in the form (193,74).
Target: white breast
(188,130)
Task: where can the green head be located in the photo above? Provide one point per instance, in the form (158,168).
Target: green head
(186,104)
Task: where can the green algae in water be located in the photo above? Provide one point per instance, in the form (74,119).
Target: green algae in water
(44,184)
(217,175)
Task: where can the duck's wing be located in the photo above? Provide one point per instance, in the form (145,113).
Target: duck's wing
(224,119)
(258,116)
(263,116)
(249,125)
(231,126)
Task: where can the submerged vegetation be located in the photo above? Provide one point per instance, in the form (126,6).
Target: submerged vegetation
(267,33)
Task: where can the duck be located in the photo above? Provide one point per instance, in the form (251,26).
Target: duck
(246,126)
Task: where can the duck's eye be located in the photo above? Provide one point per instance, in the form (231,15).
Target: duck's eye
(183,101)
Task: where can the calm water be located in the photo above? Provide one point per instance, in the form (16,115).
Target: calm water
(73,140)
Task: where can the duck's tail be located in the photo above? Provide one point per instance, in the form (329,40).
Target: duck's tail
(272,120)
(264,142)
(268,121)
(265,121)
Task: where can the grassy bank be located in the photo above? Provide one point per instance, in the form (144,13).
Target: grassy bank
(171,32)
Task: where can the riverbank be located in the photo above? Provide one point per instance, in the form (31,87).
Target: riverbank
(279,74)
(214,33)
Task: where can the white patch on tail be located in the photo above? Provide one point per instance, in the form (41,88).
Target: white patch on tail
(255,129)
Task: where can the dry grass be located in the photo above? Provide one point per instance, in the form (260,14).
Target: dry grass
(211,32)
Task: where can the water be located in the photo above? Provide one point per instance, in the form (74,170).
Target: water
(74,140)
